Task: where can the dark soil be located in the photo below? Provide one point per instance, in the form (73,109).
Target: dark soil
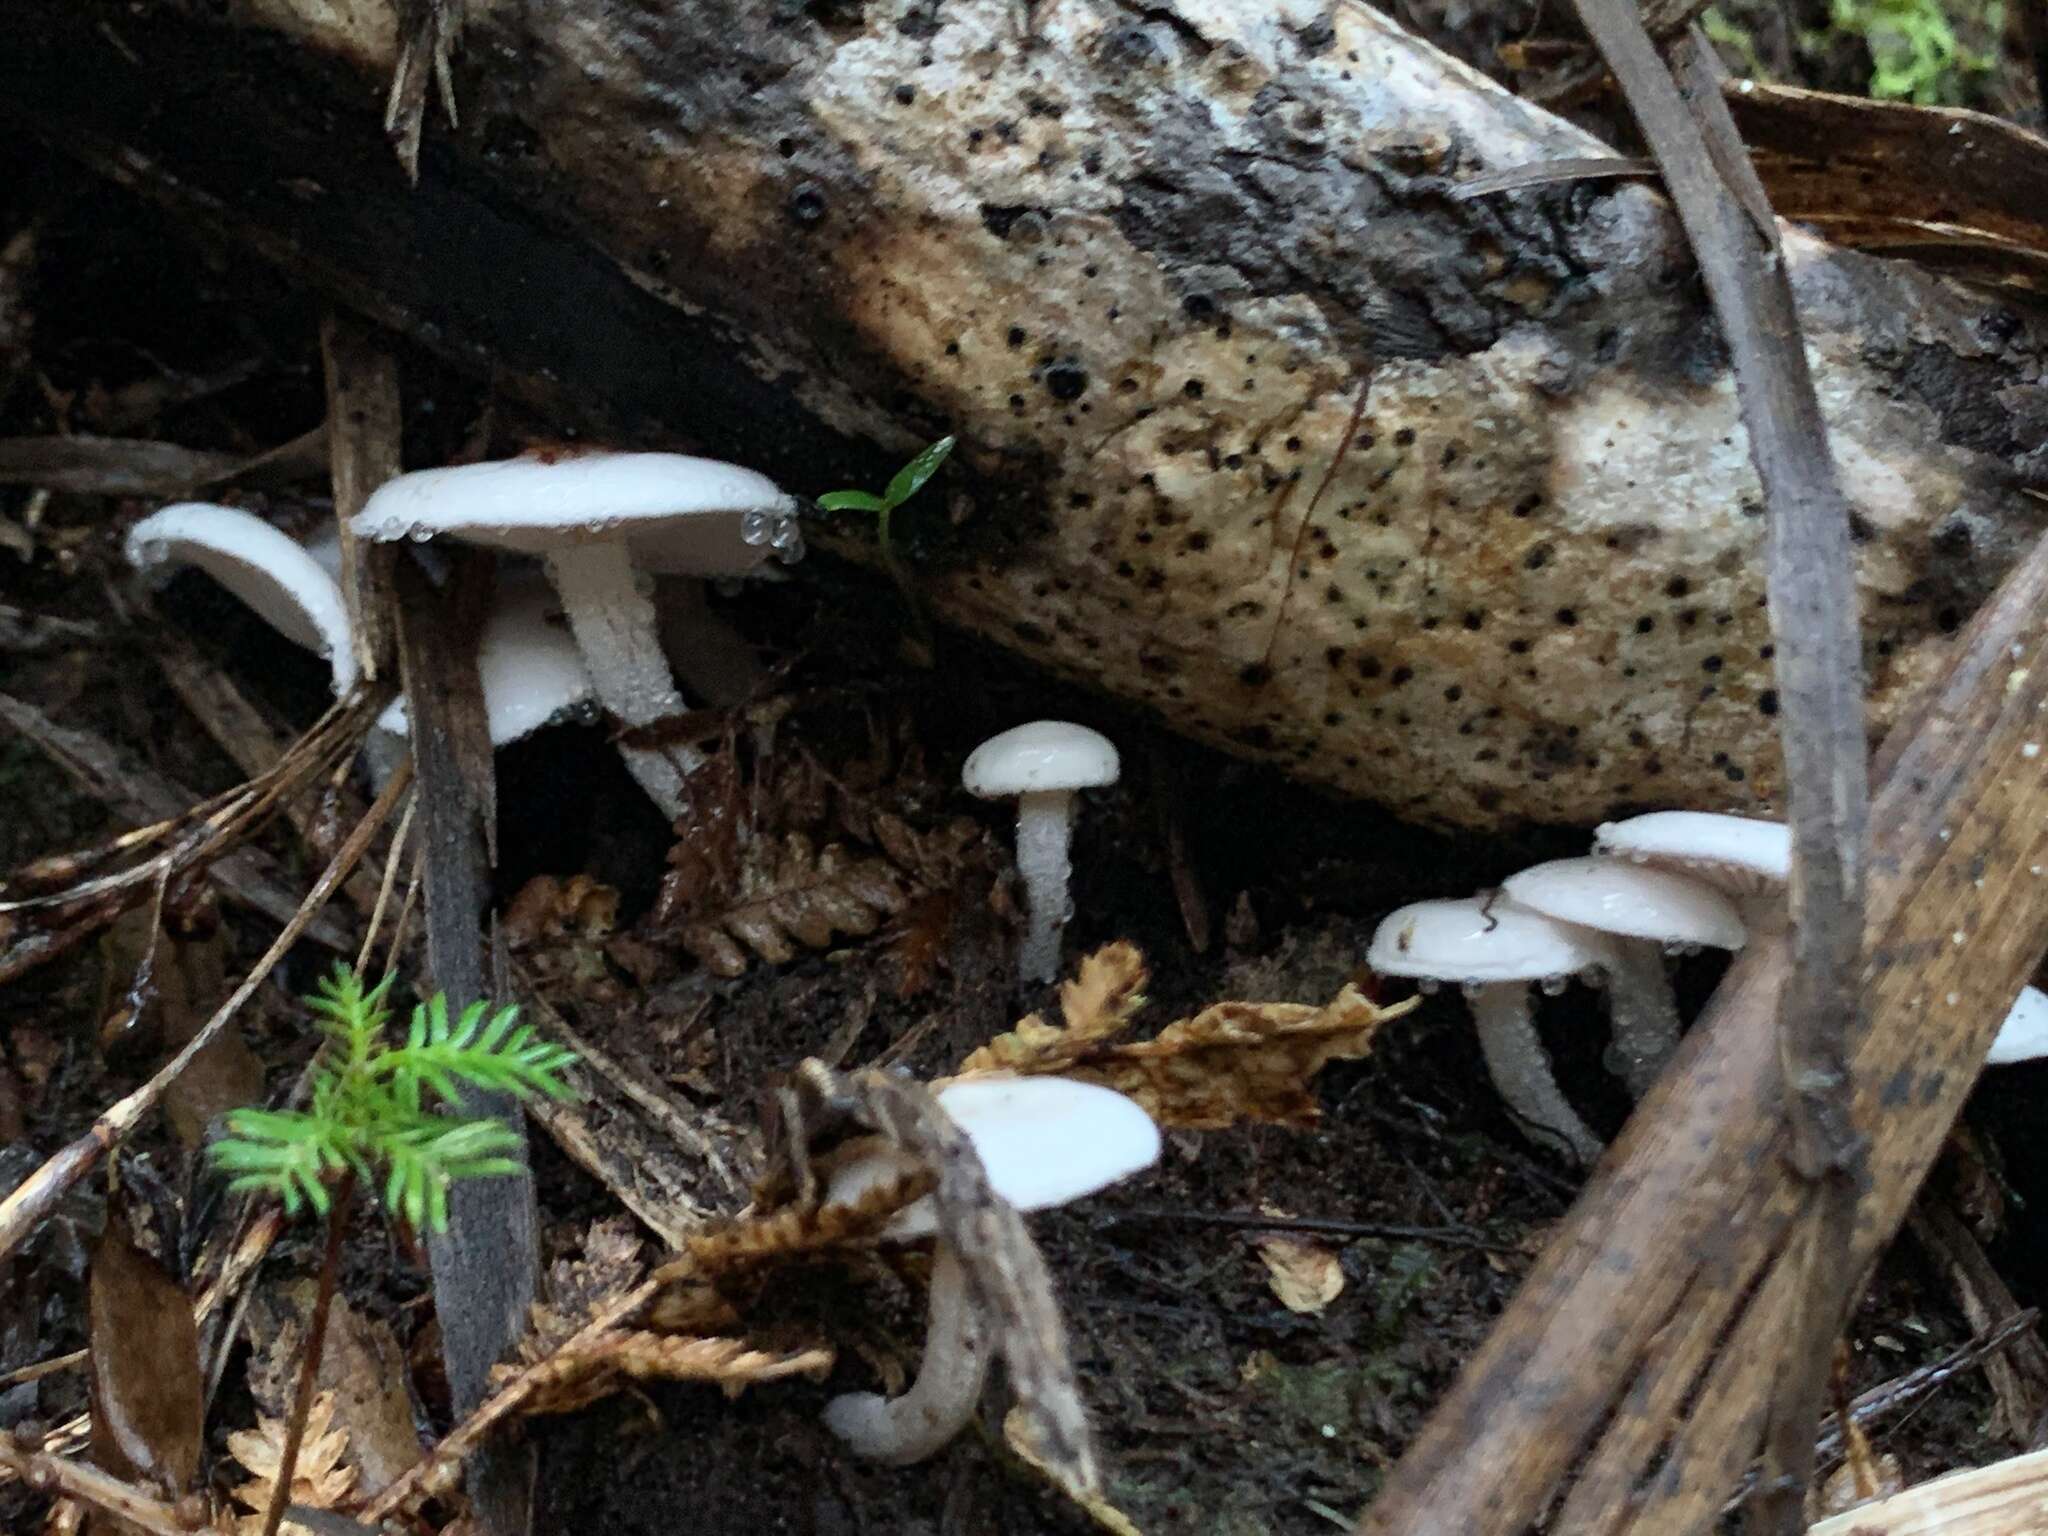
(1220,1411)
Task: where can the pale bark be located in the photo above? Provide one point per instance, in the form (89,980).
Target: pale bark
(1141,259)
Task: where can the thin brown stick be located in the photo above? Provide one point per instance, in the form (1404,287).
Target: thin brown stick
(1818,666)
(100,1490)
(309,1361)
(23,1210)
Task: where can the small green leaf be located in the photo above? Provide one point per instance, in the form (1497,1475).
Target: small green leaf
(912,476)
(851,501)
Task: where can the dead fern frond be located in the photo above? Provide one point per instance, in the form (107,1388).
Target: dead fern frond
(322,1477)
(1230,1062)
(790,895)
(595,1368)
(795,1231)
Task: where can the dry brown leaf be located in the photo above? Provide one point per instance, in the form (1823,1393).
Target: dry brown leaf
(143,1378)
(1230,1062)
(362,1369)
(1017,1435)
(1306,1276)
(322,1478)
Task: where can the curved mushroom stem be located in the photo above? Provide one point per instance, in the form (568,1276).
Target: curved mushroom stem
(1520,1069)
(614,626)
(1644,1014)
(906,1429)
(1044,833)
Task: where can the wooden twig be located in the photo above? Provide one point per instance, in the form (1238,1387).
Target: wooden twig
(486,1264)
(1818,666)
(2018,1374)
(1999,1500)
(1669,1279)
(363,440)
(133,793)
(39,1193)
(100,1490)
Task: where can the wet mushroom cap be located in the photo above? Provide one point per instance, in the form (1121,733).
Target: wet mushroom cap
(1043,755)
(678,515)
(1043,1141)
(1631,900)
(264,567)
(1744,855)
(1479,941)
(2024,1034)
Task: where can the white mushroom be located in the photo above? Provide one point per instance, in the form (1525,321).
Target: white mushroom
(1747,859)
(1042,1141)
(1494,950)
(599,519)
(2024,1034)
(1042,764)
(1645,911)
(267,569)
(529,667)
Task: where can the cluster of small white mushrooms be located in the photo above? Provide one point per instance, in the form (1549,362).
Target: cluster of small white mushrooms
(1669,882)
(1043,1142)
(599,520)
(1666,883)
(1042,766)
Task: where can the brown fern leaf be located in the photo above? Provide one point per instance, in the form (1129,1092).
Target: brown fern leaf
(797,1230)
(595,1367)
(792,894)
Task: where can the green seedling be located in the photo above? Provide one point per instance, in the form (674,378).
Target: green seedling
(908,481)
(386,1115)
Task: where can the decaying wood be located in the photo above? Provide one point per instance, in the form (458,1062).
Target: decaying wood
(1141,259)
(1671,1278)
(486,1263)
(1999,1500)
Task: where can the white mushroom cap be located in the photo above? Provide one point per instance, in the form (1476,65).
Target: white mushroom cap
(1044,755)
(265,568)
(2024,1034)
(1632,900)
(678,515)
(1480,942)
(1740,854)
(1043,1141)
(527,662)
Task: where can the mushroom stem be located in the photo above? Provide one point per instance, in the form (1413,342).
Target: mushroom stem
(1520,1069)
(1044,833)
(906,1429)
(614,626)
(1644,1014)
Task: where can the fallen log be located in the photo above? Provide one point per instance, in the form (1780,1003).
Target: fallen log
(1442,502)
